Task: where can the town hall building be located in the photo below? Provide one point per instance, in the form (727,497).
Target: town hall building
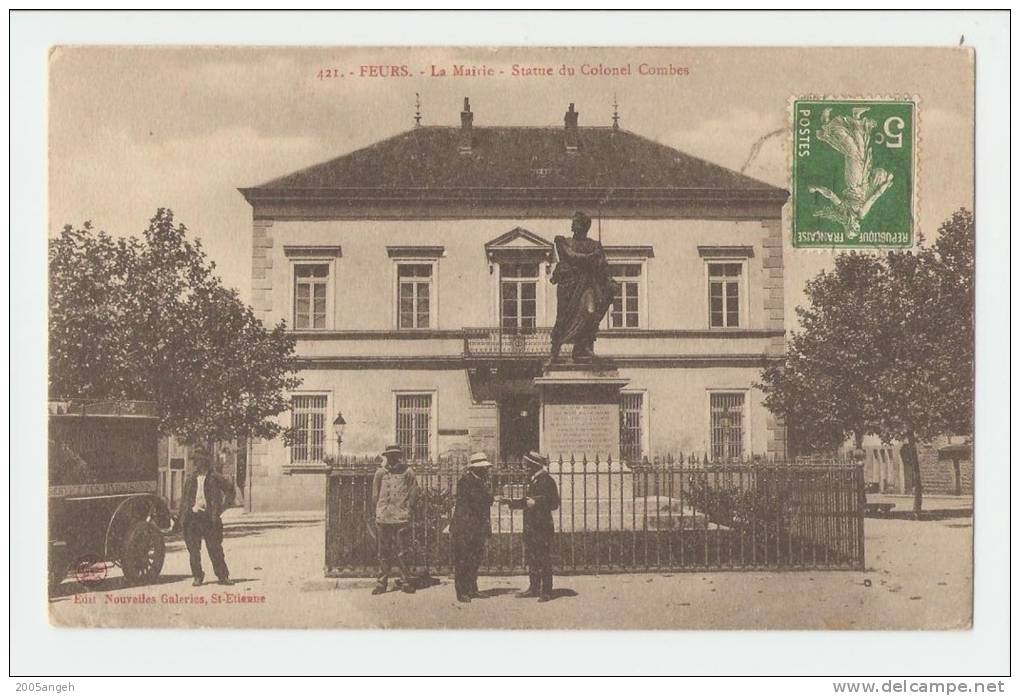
(414,275)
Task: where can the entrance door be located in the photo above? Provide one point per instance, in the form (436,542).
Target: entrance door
(518,426)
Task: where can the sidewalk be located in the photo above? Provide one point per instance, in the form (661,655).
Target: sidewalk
(930,503)
(239,517)
(918,577)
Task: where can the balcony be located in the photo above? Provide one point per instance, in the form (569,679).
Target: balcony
(496,342)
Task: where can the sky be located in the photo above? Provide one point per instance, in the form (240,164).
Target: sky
(135,129)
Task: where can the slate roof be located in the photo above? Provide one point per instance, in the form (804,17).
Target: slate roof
(528,158)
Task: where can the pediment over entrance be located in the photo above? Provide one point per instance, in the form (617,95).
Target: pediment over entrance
(518,244)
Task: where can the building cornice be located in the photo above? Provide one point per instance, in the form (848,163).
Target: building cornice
(729,252)
(312,251)
(512,203)
(629,251)
(425,334)
(447,362)
(415,252)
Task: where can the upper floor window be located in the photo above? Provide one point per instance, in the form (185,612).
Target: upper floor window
(414,295)
(518,293)
(724,280)
(625,311)
(311,283)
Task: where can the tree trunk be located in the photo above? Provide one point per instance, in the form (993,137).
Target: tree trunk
(915,467)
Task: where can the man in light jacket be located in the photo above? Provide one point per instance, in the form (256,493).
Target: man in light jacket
(394,493)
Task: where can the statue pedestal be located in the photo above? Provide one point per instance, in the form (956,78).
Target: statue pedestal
(580,413)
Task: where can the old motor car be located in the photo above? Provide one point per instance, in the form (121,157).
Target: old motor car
(103,505)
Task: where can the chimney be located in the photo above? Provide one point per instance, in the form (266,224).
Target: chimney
(570,128)
(466,120)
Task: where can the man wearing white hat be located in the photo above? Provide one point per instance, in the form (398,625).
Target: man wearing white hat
(471,525)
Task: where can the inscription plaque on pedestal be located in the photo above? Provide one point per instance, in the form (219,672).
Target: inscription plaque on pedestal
(582,429)
(580,413)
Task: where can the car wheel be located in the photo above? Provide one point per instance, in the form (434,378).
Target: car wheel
(143,555)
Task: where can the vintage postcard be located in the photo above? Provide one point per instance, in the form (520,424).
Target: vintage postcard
(560,338)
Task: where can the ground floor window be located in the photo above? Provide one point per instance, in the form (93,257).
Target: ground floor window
(414,426)
(727,425)
(631,427)
(308,421)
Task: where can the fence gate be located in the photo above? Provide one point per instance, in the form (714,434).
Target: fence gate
(665,515)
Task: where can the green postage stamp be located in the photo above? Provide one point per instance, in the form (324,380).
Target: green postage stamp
(854,173)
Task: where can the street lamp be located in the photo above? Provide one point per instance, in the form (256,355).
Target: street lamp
(338,430)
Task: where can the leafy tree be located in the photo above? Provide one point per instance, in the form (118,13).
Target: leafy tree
(886,347)
(818,387)
(926,380)
(148,319)
(952,262)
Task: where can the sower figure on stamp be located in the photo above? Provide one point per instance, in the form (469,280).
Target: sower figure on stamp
(540,499)
(394,492)
(471,525)
(584,290)
(206,494)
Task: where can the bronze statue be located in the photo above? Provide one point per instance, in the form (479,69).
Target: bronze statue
(584,290)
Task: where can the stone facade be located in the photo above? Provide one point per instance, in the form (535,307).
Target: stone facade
(456,381)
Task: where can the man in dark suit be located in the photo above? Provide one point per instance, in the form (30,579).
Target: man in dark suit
(540,499)
(471,526)
(206,495)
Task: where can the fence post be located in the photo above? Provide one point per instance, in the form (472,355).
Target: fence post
(859,494)
(329,523)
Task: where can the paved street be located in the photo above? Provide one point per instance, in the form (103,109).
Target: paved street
(919,576)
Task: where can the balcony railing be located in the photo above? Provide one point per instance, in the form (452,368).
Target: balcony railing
(495,342)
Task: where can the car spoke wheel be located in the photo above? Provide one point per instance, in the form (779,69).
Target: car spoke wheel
(144,552)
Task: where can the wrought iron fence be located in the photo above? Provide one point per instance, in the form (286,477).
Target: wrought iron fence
(672,514)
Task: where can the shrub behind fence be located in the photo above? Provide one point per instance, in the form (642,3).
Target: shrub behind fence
(671,514)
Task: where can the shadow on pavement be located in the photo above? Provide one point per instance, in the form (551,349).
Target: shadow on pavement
(926,515)
(424,582)
(236,581)
(499,591)
(237,531)
(563,592)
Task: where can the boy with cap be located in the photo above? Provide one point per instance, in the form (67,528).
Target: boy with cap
(394,493)
(471,525)
(541,498)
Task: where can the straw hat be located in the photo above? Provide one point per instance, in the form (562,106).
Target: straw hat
(536,459)
(392,449)
(479,459)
